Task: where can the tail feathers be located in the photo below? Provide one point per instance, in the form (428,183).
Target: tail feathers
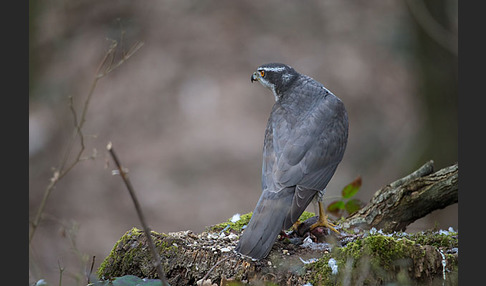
(266,223)
(301,199)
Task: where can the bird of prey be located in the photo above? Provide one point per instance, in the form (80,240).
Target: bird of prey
(305,139)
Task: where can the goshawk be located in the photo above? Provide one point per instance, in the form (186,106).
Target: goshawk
(305,139)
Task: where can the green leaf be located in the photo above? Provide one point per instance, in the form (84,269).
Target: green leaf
(352,206)
(128,280)
(151,282)
(352,188)
(335,206)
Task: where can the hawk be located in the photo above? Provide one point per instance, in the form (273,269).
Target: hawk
(305,139)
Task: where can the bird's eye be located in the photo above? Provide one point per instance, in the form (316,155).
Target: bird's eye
(262,73)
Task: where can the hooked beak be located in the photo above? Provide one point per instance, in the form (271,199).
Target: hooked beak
(254,77)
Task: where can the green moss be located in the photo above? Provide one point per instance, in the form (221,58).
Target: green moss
(452,267)
(306,215)
(244,220)
(369,259)
(166,247)
(113,254)
(321,272)
(386,250)
(131,255)
(436,239)
(378,259)
(229,225)
(373,259)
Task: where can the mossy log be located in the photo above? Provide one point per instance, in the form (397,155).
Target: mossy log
(404,201)
(361,255)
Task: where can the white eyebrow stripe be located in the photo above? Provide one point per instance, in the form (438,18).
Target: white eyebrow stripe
(273,69)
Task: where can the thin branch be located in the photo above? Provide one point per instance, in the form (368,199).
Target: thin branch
(38,216)
(211,269)
(91,269)
(132,51)
(146,229)
(62,170)
(61,270)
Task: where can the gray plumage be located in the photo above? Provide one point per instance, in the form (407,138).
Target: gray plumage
(305,139)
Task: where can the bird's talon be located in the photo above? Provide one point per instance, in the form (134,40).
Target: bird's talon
(295,226)
(323,221)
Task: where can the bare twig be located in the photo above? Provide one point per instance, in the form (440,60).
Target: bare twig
(146,229)
(64,167)
(61,270)
(125,57)
(211,269)
(91,269)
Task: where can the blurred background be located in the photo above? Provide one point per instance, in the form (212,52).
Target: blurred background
(188,124)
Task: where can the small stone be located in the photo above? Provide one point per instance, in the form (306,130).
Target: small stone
(212,236)
(232,236)
(235,218)
(206,282)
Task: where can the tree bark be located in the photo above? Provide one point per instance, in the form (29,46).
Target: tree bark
(209,258)
(402,202)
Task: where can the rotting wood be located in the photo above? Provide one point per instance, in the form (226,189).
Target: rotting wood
(188,257)
(402,202)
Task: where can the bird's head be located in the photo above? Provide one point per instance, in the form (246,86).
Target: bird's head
(277,77)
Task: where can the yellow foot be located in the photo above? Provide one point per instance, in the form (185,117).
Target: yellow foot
(323,221)
(295,226)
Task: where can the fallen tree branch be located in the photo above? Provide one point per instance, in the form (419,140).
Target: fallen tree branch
(190,259)
(402,202)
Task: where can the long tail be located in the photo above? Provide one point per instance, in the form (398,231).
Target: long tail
(266,223)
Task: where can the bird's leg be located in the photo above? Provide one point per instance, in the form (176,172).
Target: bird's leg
(295,226)
(323,220)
